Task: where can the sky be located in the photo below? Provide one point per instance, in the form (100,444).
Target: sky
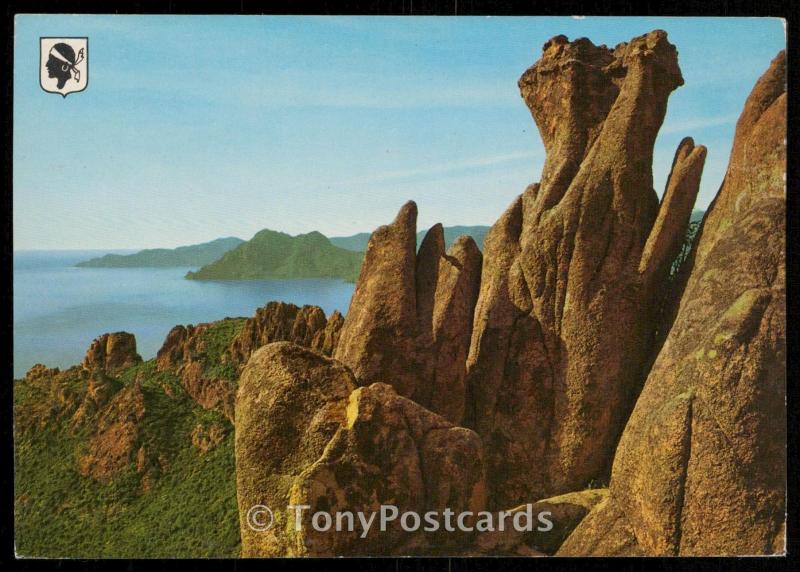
(198,127)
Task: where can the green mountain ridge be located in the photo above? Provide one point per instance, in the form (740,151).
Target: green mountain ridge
(272,254)
(358,242)
(193,255)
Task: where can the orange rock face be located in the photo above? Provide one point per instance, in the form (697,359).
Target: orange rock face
(111,353)
(112,447)
(410,318)
(457,286)
(282,322)
(377,340)
(701,466)
(565,318)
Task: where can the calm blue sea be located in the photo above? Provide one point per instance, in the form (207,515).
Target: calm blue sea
(59,309)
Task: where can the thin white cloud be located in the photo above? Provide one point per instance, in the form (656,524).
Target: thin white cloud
(440,169)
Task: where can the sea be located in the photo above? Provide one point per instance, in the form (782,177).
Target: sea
(60,308)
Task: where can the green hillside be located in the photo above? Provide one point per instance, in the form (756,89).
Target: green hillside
(358,242)
(271,254)
(172,499)
(195,255)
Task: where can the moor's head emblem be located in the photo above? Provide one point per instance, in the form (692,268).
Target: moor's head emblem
(64,65)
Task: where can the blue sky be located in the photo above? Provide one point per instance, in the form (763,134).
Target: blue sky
(194,128)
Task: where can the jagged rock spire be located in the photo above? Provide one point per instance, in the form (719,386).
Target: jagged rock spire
(564,320)
(410,318)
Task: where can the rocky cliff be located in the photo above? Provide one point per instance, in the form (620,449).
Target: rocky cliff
(587,295)
(325,444)
(701,466)
(127,454)
(558,325)
(282,322)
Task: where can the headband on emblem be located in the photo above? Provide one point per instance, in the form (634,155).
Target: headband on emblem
(67,65)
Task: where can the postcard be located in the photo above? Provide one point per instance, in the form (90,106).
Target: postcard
(399,286)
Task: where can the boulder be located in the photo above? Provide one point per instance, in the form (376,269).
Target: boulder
(391,451)
(306,436)
(290,403)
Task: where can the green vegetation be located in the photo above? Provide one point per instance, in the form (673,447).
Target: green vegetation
(195,255)
(686,248)
(216,340)
(358,242)
(271,254)
(179,502)
(185,508)
(219,336)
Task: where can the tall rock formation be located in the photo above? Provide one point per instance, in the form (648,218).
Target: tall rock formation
(457,287)
(571,283)
(701,466)
(411,314)
(377,340)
